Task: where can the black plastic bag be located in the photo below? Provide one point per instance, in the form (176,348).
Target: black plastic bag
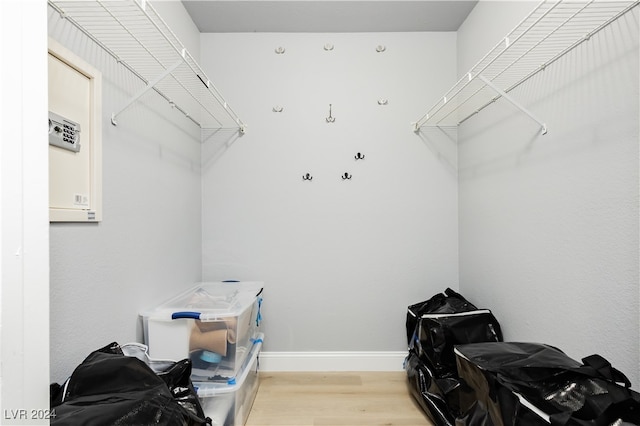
(438,397)
(109,388)
(477,415)
(434,327)
(442,322)
(448,302)
(531,384)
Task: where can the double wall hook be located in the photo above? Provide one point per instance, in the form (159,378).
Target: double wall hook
(346,176)
(330,119)
(359,156)
(307,177)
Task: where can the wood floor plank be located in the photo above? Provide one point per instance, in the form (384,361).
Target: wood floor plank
(335,399)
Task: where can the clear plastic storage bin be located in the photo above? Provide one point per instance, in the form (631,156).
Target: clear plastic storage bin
(229,403)
(212,323)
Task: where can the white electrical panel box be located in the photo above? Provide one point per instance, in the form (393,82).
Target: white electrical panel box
(75,139)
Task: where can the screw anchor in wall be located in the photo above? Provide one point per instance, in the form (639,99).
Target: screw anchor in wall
(330,119)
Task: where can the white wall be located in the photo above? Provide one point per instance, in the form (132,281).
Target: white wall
(148,246)
(341,260)
(549,224)
(24,272)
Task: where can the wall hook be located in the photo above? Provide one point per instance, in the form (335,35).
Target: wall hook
(359,156)
(307,177)
(279,50)
(346,176)
(330,119)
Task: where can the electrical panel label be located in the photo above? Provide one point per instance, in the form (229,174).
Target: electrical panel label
(80,200)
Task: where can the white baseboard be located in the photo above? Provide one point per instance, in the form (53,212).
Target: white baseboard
(332,361)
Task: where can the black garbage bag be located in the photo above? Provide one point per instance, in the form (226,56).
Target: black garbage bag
(434,327)
(448,302)
(446,320)
(438,397)
(537,384)
(477,415)
(110,388)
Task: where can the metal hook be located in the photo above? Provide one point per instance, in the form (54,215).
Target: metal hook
(330,119)
(307,177)
(346,176)
(359,156)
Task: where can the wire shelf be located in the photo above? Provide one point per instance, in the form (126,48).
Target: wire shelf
(137,37)
(552,29)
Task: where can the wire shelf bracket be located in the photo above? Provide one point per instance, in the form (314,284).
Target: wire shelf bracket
(148,87)
(548,32)
(515,103)
(135,35)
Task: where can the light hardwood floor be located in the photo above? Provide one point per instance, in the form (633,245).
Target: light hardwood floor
(335,399)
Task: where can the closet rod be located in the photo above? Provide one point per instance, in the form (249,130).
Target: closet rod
(188,59)
(513,62)
(555,58)
(117,58)
(469,76)
(181,51)
(551,30)
(86,15)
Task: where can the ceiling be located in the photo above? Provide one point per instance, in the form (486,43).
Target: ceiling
(327,16)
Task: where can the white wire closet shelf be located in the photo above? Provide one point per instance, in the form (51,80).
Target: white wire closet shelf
(138,38)
(552,29)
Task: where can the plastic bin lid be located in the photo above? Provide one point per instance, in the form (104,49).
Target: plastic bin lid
(209,301)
